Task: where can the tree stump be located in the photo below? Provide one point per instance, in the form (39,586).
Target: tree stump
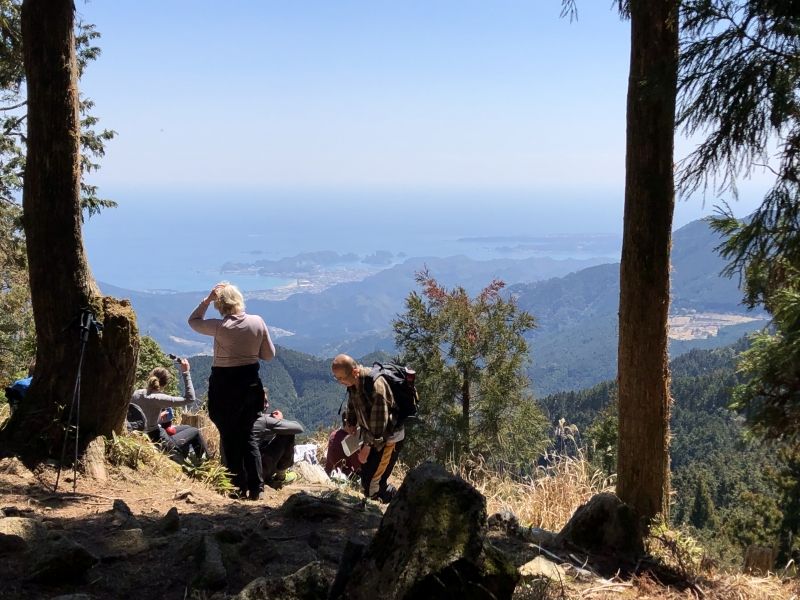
(759,560)
(94,459)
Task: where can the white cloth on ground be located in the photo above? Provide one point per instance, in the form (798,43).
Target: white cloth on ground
(305,452)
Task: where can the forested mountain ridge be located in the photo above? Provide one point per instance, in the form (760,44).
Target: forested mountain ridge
(725,483)
(574,345)
(349,317)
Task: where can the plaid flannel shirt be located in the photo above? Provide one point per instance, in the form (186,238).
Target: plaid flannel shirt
(374,414)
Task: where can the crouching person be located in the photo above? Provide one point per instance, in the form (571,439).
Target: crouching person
(336,458)
(150,411)
(275,438)
(371,407)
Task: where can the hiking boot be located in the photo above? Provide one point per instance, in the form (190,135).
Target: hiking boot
(282,478)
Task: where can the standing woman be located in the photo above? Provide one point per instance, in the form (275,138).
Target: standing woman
(235,392)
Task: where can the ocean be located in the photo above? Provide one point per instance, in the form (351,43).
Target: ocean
(179,241)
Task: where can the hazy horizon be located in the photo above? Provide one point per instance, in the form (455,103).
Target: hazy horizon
(180,241)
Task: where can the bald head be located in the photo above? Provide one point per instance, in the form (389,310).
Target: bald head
(345,369)
(343,361)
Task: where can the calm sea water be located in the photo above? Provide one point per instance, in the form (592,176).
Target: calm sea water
(179,241)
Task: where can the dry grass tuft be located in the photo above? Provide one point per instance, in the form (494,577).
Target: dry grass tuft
(207,429)
(320,438)
(135,450)
(547,499)
(734,587)
(5,413)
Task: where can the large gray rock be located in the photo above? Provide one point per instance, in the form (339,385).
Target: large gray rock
(432,544)
(30,531)
(62,560)
(122,515)
(212,572)
(309,583)
(605,528)
(123,543)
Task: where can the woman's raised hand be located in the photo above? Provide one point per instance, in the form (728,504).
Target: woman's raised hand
(184,365)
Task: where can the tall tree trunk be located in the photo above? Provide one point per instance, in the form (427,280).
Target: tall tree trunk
(643,368)
(60,280)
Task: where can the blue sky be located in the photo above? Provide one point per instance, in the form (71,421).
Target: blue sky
(333,95)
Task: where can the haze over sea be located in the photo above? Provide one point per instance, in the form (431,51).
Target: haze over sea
(173,240)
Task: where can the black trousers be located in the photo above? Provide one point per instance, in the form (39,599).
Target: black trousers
(375,472)
(235,398)
(277,455)
(178,445)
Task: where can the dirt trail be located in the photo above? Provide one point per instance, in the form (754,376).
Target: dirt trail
(255,538)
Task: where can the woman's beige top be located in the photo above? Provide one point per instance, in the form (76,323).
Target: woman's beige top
(238,339)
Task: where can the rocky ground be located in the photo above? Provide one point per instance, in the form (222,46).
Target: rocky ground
(150,535)
(163,537)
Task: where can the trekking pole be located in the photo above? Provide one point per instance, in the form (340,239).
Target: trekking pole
(87,322)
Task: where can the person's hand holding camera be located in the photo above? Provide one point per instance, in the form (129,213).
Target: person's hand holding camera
(276,414)
(184,365)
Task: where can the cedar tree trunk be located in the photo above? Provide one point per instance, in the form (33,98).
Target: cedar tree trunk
(60,280)
(643,368)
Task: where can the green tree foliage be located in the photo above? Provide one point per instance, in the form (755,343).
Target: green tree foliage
(469,354)
(787,477)
(703,512)
(739,87)
(601,439)
(17,342)
(731,488)
(17,339)
(770,398)
(150,357)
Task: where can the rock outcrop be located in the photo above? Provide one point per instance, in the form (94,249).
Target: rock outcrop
(608,530)
(432,544)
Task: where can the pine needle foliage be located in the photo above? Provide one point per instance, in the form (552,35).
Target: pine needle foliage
(740,91)
(469,354)
(738,88)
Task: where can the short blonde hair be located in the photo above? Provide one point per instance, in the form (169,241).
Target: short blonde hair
(229,300)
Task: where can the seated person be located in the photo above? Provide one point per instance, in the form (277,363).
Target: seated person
(15,392)
(147,413)
(336,458)
(275,437)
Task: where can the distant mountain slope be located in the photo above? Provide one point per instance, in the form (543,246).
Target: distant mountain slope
(574,302)
(575,343)
(352,317)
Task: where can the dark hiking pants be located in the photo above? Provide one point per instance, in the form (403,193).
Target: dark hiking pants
(277,455)
(235,398)
(177,446)
(376,471)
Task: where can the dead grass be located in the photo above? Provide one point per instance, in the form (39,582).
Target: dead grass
(5,413)
(207,429)
(547,499)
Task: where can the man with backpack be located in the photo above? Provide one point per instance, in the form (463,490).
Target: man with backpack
(371,406)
